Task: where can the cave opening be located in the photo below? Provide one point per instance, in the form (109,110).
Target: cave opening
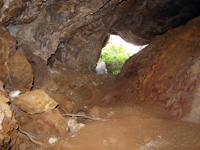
(51,98)
(114,54)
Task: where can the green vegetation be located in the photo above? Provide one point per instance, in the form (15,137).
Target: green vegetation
(114,57)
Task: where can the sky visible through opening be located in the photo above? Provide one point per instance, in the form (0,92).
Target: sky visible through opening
(114,55)
(118,41)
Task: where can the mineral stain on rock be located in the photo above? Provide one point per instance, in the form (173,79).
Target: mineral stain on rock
(33,102)
(47,52)
(15,70)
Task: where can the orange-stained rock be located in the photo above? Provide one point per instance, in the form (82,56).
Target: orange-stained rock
(19,11)
(50,85)
(53,124)
(8,123)
(1,84)
(167,71)
(76,31)
(34,102)
(9,10)
(95,112)
(2,91)
(15,71)
(46,126)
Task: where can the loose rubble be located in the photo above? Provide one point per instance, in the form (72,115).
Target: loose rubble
(8,124)
(73,126)
(48,49)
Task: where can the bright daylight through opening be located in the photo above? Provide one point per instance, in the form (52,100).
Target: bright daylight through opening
(114,55)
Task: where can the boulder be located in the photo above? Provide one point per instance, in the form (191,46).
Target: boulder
(15,70)
(8,124)
(167,71)
(47,129)
(101,67)
(33,102)
(149,18)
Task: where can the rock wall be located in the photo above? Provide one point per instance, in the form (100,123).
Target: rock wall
(68,37)
(167,71)
(15,71)
(149,18)
(71,34)
(8,124)
(75,24)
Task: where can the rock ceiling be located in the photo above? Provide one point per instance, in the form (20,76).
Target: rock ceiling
(76,30)
(53,45)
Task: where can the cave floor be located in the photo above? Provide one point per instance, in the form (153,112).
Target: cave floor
(128,126)
(135,128)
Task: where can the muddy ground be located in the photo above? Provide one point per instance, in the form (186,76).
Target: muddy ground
(127,125)
(136,128)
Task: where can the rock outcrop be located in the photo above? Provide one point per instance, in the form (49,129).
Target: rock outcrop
(57,42)
(33,102)
(15,71)
(168,71)
(8,124)
(149,18)
(71,34)
(46,129)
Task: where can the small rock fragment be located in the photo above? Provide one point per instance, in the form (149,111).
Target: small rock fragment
(73,126)
(14,94)
(95,112)
(101,67)
(53,140)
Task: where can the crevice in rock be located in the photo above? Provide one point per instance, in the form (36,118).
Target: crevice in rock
(99,10)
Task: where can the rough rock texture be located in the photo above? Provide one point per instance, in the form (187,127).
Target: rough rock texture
(73,90)
(15,71)
(69,29)
(149,18)
(33,102)
(76,31)
(8,123)
(68,36)
(48,125)
(2,91)
(19,11)
(168,71)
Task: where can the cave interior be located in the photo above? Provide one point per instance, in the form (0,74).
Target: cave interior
(52,98)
